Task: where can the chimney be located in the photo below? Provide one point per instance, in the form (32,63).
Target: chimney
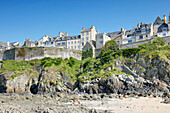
(122,29)
(83,28)
(141,23)
(138,26)
(164,18)
(29,39)
(97,31)
(46,35)
(66,34)
(92,27)
(8,43)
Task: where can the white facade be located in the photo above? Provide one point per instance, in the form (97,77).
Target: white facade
(101,39)
(163,34)
(42,40)
(129,39)
(88,35)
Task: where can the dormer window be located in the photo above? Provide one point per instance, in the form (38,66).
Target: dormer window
(164,29)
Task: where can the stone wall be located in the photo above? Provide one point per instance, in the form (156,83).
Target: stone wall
(39,53)
(97,51)
(9,54)
(1,55)
(133,44)
(136,44)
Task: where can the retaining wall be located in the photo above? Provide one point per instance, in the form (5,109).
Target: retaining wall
(39,53)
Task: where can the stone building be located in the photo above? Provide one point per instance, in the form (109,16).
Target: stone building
(3,46)
(88,35)
(160,27)
(101,39)
(144,31)
(29,43)
(46,41)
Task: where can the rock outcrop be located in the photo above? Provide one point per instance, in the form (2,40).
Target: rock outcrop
(150,68)
(123,84)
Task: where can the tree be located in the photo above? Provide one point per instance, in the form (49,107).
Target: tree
(110,45)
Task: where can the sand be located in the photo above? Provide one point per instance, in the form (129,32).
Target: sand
(130,105)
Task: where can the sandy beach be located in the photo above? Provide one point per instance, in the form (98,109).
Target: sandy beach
(52,104)
(130,105)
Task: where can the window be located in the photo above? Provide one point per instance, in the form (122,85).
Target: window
(158,23)
(63,43)
(146,35)
(101,42)
(78,42)
(41,43)
(101,37)
(68,43)
(51,42)
(58,44)
(87,38)
(82,34)
(87,33)
(75,42)
(71,47)
(71,42)
(129,41)
(140,37)
(164,34)
(82,39)
(82,43)
(74,47)
(64,47)
(117,41)
(79,47)
(164,29)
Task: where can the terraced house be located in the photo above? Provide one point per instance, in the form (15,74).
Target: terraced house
(141,32)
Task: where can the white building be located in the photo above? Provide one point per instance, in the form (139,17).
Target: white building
(88,35)
(101,39)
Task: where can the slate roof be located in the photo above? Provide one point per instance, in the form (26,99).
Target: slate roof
(158,21)
(164,25)
(130,32)
(113,34)
(3,43)
(67,38)
(88,29)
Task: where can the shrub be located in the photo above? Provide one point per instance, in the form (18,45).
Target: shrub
(159,41)
(15,48)
(87,53)
(130,51)
(21,52)
(42,52)
(110,45)
(31,48)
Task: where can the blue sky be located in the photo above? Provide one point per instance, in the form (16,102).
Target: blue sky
(21,19)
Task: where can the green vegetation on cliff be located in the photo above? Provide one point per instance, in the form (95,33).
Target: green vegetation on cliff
(19,68)
(89,68)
